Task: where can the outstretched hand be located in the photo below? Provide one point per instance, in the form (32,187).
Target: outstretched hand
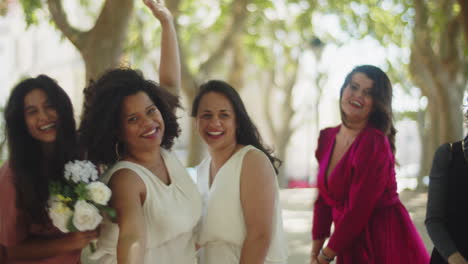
(159,10)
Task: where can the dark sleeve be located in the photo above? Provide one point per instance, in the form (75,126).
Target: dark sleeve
(436,217)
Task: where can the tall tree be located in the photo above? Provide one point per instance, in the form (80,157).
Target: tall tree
(464,16)
(439,68)
(437,65)
(197,66)
(284,38)
(102,45)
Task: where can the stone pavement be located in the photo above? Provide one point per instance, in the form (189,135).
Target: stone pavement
(297,217)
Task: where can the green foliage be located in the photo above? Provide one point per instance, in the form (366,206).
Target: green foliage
(109,211)
(82,192)
(55,187)
(411,115)
(30,7)
(70,226)
(3,7)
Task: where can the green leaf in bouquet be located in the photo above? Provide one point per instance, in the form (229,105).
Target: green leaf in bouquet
(67,191)
(55,187)
(82,192)
(70,226)
(109,211)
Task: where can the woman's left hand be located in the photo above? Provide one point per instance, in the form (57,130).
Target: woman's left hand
(159,10)
(321,261)
(314,260)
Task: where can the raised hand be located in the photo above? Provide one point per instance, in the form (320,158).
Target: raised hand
(159,10)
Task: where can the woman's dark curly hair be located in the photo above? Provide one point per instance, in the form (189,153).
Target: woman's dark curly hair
(98,132)
(381,116)
(26,157)
(246,132)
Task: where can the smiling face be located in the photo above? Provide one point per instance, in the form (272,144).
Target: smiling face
(142,125)
(356,100)
(216,121)
(40,116)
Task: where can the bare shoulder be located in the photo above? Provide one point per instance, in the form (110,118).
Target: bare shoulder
(255,156)
(257,165)
(126,180)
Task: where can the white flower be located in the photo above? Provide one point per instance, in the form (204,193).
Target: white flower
(80,171)
(99,192)
(60,214)
(86,216)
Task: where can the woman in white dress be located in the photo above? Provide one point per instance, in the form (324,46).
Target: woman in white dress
(242,215)
(130,125)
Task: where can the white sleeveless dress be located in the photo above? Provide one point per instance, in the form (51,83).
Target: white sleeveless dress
(222,228)
(170,211)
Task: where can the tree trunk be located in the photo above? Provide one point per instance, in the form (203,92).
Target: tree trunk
(464,17)
(102,46)
(439,71)
(191,81)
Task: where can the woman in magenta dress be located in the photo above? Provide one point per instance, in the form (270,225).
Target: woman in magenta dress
(356,181)
(40,129)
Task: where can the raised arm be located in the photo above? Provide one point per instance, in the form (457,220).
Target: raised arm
(128,192)
(169,69)
(257,191)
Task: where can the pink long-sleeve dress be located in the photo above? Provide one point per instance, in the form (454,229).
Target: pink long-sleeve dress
(360,197)
(14,228)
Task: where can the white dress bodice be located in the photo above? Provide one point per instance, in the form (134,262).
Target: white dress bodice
(170,214)
(222,229)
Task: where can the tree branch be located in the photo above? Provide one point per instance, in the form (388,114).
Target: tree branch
(239,9)
(114,14)
(236,72)
(267,104)
(60,18)
(464,17)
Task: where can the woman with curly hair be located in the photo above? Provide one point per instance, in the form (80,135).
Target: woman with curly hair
(447,210)
(40,130)
(130,126)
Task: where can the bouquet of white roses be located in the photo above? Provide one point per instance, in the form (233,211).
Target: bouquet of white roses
(78,202)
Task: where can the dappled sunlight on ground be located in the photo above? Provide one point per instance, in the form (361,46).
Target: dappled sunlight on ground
(297,219)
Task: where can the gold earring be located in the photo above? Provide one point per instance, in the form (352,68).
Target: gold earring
(117,150)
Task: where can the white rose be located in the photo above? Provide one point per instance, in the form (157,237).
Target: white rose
(99,192)
(86,216)
(60,214)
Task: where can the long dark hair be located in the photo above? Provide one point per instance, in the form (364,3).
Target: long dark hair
(26,155)
(381,116)
(99,127)
(246,132)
